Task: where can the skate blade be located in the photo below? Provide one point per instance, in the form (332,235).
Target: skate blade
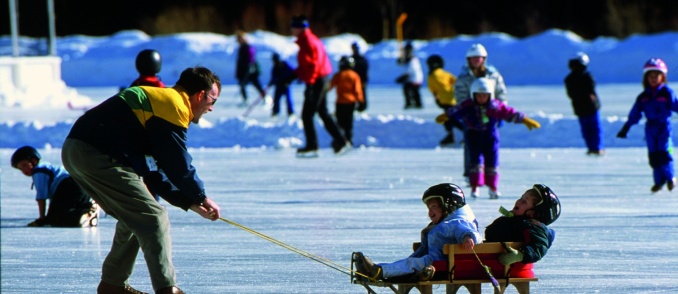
(312,154)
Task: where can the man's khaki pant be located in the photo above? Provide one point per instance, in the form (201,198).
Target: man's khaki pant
(142,222)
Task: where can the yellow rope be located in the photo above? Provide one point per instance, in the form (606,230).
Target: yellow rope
(319,259)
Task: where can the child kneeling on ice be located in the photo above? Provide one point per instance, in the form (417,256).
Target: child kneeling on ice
(69,205)
(481,116)
(526,222)
(452,222)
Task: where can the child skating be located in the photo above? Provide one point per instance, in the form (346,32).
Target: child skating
(481,116)
(656,103)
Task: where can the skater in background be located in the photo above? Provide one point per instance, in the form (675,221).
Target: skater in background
(476,67)
(314,69)
(527,222)
(281,74)
(452,222)
(361,67)
(581,88)
(148,63)
(441,85)
(247,69)
(349,94)
(481,116)
(656,102)
(412,78)
(69,206)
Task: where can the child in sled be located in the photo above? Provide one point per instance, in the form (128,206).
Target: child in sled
(527,222)
(452,221)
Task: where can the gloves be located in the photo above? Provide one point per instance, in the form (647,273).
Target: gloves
(361,106)
(38,222)
(441,119)
(622,133)
(530,123)
(511,256)
(401,79)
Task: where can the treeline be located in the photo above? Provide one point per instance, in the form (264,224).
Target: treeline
(374,20)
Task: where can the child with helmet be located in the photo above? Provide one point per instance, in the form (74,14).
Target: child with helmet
(580,88)
(656,102)
(527,222)
(476,67)
(481,116)
(148,63)
(441,85)
(452,222)
(69,206)
(349,94)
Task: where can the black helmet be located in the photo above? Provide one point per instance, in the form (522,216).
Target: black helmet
(25,152)
(548,209)
(435,61)
(451,196)
(346,62)
(148,62)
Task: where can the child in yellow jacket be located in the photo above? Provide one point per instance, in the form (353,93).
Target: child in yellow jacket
(349,92)
(441,85)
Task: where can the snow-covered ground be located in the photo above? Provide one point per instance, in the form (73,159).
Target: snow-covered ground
(614,236)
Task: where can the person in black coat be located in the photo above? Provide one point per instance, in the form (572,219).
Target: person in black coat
(247,69)
(527,222)
(581,90)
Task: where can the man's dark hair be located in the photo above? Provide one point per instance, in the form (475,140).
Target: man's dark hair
(196,79)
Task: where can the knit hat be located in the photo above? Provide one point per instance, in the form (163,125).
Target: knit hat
(300,22)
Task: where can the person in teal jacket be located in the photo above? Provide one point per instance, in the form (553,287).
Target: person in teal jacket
(142,132)
(656,102)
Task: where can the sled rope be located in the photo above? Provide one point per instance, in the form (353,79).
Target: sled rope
(326,262)
(495,283)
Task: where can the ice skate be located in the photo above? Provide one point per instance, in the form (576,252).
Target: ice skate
(341,148)
(307,152)
(656,188)
(448,141)
(475,192)
(90,218)
(671,184)
(494,194)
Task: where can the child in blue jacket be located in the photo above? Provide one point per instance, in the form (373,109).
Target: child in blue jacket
(481,116)
(656,102)
(452,222)
(281,74)
(69,206)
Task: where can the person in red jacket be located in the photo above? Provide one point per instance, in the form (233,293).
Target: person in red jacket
(349,93)
(314,69)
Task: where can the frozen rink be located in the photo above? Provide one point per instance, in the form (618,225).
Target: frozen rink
(613,236)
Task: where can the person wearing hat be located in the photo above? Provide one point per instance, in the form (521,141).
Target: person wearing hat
(148,64)
(69,206)
(280,76)
(581,88)
(656,102)
(314,69)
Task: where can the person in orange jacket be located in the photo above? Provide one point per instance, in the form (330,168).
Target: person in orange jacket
(349,92)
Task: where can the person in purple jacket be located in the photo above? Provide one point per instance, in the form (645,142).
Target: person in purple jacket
(481,115)
(656,102)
